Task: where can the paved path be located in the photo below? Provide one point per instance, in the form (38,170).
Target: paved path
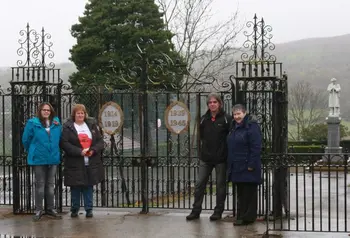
(129,223)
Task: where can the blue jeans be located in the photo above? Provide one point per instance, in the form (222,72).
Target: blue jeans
(87,192)
(44,186)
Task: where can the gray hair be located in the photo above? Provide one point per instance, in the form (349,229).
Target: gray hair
(239,107)
(217,97)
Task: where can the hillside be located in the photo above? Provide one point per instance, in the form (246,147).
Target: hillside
(316,60)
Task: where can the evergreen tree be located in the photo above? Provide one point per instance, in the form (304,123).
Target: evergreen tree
(107,38)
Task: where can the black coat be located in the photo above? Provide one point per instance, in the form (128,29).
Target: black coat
(244,151)
(213,137)
(75,172)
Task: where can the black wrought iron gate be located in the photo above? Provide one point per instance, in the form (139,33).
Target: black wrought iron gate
(158,169)
(33,81)
(261,85)
(26,97)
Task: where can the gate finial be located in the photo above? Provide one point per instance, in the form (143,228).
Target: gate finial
(258,41)
(34,48)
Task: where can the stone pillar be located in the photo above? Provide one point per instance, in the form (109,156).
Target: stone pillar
(333,141)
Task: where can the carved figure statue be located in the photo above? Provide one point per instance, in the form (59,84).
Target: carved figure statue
(333,100)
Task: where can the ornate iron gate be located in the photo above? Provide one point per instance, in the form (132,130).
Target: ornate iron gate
(261,85)
(33,82)
(146,166)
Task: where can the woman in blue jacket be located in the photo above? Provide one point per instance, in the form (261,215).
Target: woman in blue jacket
(244,163)
(41,138)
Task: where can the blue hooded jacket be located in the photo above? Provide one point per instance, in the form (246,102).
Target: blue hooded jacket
(244,151)
(42,147)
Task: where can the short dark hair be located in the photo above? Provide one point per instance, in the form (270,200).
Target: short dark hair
(239,107)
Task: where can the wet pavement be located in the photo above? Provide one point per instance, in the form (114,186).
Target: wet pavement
(129,223)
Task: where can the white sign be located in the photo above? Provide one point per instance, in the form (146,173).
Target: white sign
(111,118)
(177,117)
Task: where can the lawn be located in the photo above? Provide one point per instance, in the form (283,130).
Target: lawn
(292,129)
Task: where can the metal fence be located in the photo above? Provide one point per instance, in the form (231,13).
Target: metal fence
(316,198)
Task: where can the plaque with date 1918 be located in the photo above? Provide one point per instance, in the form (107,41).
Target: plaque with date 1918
(177,117)
(111,118)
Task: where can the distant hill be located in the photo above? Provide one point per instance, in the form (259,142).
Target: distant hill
(316,60)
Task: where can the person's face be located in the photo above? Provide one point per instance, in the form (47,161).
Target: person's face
(45,111)
(238,115)
(79,116)
(213,105)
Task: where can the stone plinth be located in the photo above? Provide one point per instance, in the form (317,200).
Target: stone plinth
(333,141)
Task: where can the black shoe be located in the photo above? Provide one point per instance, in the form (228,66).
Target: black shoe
(74,214)
(38,215)
(192,216)
(53,213)
(89,214)
(216,216)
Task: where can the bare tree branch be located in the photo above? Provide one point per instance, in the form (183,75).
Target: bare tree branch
(306,106)
(206,45)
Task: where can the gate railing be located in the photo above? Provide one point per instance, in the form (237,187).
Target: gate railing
(317,192)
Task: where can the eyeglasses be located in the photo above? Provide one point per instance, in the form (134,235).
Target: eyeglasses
(46,110)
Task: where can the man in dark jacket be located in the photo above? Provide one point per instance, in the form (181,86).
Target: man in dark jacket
(214,127)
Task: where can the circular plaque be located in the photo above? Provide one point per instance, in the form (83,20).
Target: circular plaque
(177,117)
(111,118)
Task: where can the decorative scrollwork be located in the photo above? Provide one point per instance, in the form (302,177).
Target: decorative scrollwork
(258,41)
(156,70)
(35,48)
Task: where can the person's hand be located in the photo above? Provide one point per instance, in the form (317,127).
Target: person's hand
(89,153)
(84,151)
(250,169)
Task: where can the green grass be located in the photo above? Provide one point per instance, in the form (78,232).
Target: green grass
(292,129)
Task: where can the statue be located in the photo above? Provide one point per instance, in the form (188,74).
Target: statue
(333,101)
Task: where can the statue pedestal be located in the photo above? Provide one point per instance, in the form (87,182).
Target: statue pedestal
(333,150)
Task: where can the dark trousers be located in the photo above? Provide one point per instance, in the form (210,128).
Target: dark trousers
(280,196)
(44,186)
(247,201)
(205,169)
(87,192)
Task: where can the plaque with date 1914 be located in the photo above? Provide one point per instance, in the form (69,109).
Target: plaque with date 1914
(111,118)
(177,117)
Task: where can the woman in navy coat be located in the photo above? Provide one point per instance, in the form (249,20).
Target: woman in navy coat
(244,163)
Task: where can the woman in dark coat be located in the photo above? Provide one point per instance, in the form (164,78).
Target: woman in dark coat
(83,167)
(244,163)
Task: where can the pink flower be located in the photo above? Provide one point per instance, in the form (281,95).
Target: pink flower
(55,122)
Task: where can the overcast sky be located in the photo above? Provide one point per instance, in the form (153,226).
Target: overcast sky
(290,19)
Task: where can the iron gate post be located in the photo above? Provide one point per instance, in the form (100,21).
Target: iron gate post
(15,154)
(144,134)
